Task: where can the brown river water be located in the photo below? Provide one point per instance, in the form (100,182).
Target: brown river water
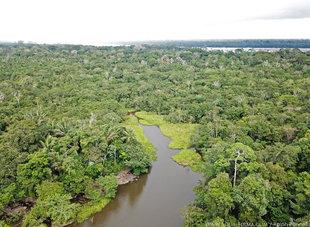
(156,198)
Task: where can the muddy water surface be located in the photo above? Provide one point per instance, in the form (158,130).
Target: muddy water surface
(157,198)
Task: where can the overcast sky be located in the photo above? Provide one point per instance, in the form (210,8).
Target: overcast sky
(103,21)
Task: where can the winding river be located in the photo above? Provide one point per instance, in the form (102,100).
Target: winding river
(156,198)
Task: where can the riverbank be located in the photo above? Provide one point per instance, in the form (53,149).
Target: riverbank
(180,139)
(123,177)
(180,135)
(157,198)
(189,158)
(132,123)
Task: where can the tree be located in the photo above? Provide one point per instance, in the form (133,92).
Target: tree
(278,195)
(53,204)
(284,155)
(23,136)
(216,198)
(221,155)
(34,171)
(251,198)
(300,204)
(304,155)
(109,184)
(240,153)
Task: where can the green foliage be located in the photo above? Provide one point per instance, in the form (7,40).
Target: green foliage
(91,208)
(3,224)
(51,204)
(217,198)
(284,155)
(131,123)
(94,194)
(263,130)
(300,204)
(4,199)
(304,155)
(22,135)
(147,118)
(278,196)
(49,188)
(189,158)
(75,182)
(109,184)
(193,216)
(34,171)
(94,170)
(229,157)
(137,160)
(251,198)
(214,203)
(179,134)
(63,119)
(10,194)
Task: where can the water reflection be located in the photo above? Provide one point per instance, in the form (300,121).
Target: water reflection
(157,198)
(127,195)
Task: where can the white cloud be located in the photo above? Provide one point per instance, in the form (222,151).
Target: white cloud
(97,22)
(298,11)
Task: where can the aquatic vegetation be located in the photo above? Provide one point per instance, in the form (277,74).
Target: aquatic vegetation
(179,133)
(131,123)
(91,208)
(63,120)
(190,158)
(149,118)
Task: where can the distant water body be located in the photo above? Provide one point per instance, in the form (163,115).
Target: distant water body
(224,49)
(233,49)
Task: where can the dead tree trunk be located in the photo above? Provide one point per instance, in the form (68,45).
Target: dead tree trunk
(235,173)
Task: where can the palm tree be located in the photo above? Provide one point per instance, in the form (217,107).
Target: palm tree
(48,144)
(113,132)
(112,151)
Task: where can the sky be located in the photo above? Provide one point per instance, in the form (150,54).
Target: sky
(98,22)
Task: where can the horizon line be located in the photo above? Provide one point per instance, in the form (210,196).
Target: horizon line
(124,42)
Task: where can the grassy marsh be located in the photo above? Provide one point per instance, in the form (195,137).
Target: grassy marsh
(189,158)
(92,207)
(178,133)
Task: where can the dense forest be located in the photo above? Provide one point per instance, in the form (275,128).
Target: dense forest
(63,140)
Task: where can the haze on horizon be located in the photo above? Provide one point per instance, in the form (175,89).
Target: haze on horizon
(98,22)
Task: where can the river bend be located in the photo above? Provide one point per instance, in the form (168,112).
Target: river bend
(155,199)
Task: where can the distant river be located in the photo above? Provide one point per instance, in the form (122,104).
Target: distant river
(155,199)
(227,49)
